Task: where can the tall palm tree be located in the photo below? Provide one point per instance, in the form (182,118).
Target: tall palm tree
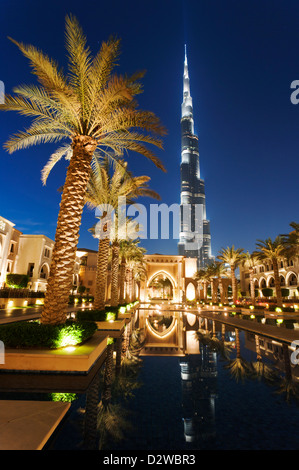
(132,231)
(291,241)
(133,262)
(93,112)
(200,277)
(250,261)
(232,256)
(212,274)
(272,250)
(126,248)
(104,193)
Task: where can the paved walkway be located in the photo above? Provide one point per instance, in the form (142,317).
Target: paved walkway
(28,425)
(279,333)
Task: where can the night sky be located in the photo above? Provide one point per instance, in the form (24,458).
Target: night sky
(242,55)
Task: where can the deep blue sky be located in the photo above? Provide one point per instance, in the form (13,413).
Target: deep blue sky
(243,56)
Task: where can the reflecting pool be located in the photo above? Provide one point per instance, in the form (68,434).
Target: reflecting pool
(190,382)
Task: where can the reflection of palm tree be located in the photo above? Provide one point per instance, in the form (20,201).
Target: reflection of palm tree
(112,424)
(239,367)
(108,376)
(221,347)
(260,369)
(113,417)
(286,384)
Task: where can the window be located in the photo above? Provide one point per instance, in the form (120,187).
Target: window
(47,253)
(43,272)
(30,269)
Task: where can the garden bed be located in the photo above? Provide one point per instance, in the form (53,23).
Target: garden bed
(74,359)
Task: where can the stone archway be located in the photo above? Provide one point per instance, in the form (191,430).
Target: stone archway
(161,286)
(177,269)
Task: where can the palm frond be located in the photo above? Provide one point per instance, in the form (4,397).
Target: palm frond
(64,151)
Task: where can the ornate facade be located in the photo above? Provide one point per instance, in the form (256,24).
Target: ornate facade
(263,278)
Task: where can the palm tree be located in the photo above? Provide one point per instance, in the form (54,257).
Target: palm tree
(126,247)
(93,112)
(132,231)
(232,256)
(272,250)
(213,272)
(105,193)
(134,262)
(250,261)
(200,277)
(291,241)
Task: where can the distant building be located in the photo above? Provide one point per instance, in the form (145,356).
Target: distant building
(87,269)
(264,277)
(9,247)
(27,254)
(35,252)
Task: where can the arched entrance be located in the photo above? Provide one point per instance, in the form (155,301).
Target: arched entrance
(166,278)
(160,287)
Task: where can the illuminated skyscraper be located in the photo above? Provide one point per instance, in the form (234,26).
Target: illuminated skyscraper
(195,238)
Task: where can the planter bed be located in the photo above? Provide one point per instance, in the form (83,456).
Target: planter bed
(79,359)
(113,328)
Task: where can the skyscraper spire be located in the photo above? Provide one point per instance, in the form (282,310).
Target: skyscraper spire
(187,107)
(195,239)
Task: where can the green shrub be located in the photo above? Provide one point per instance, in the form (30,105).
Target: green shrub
(17,281)
(267,292)
(35,334)
(285,292)
(91,315)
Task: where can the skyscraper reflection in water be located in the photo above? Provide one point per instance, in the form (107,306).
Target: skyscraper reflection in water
(199,390)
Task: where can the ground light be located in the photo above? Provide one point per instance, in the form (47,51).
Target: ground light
(70,348)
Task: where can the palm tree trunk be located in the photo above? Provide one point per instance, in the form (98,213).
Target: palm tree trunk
(114,274)
(234,283)
(102,272)
(91,407)
(238,345)
(252,289)
(221,288)
(67,232)
(122,277)
(108,376)
(205,290)
(214,285)
(119,345)
(277,283)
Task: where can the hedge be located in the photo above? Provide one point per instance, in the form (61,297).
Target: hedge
(95,315)
(34,334)
(18,281)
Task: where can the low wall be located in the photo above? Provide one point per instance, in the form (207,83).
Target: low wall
(20,302)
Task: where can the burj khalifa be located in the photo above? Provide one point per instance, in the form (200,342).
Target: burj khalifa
(195,237)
